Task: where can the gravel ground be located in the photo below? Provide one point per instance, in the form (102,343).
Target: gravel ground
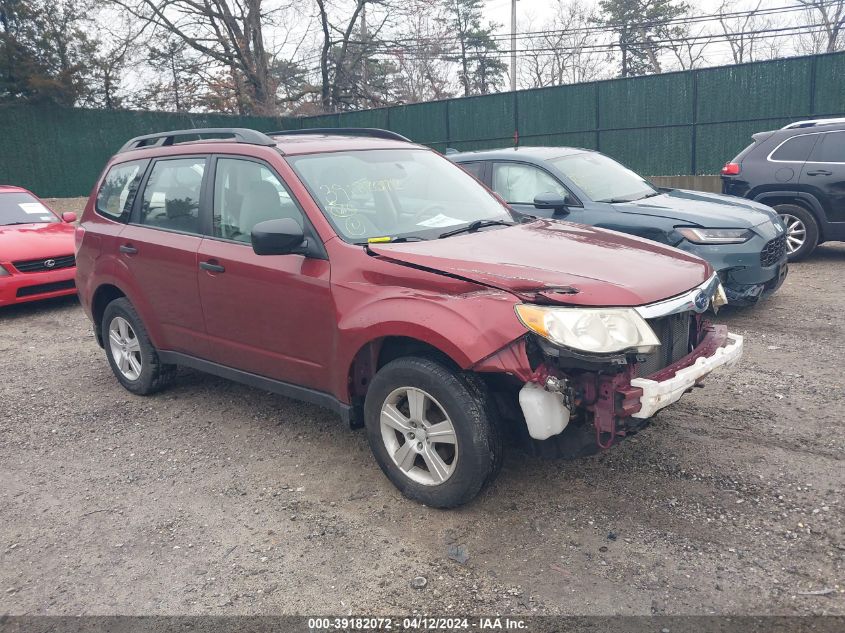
(216,498)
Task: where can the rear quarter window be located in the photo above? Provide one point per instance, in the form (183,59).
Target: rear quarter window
(117,193)
(796,149)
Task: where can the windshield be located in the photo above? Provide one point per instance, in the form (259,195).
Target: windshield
(602,178)
(395,193)
(22,208)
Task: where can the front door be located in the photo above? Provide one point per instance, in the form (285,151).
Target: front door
(824,175)
(159,248)
(270,315)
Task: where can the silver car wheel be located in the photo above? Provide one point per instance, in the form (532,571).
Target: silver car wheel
(419,436)
(125,348)
(796,232)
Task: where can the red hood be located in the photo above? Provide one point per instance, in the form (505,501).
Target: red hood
(34,241)
(592,266)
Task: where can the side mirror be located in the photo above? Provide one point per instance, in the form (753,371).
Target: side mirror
(69,217)
(553,201)
(278,237)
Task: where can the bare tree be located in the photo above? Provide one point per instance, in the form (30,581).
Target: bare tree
(742,32)
(228,32)
(565,50)
(346,51)
(421,72)
(688,46)
(830,35)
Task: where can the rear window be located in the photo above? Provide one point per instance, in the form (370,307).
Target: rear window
(796,149)
(117,193)
(22,208)
(831,148)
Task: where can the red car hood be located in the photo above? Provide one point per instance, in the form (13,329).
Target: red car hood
(559,262)
(35,241)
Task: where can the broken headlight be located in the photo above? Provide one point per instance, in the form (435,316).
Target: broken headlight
(592,330)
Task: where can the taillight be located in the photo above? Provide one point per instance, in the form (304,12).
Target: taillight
(77,239)
(730,169)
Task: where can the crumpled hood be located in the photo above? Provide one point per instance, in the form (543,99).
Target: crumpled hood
(568,263)
(711,210)
(35,241)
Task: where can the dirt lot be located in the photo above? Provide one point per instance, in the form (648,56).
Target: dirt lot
(215,498)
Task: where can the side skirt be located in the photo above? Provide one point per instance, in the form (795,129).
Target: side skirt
(288,390)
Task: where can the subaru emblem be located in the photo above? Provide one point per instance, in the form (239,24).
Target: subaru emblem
(49,263)
(701,301)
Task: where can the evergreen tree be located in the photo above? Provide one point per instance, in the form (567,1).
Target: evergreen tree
(641,26)
(481,69)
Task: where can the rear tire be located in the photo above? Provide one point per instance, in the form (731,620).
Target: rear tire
(130,352)
(433,431)
(802,230)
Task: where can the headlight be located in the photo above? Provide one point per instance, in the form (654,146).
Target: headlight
(715,236)
(592,330)
(3,271)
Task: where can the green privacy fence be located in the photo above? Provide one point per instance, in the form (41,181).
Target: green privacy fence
(680,123)
(59,152)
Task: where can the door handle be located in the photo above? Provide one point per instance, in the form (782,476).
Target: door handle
(819,172)
(211,266)
(128,249)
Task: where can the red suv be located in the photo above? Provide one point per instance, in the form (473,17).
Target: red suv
(358,271)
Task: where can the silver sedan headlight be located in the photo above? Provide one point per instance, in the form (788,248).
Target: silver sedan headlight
(591,330)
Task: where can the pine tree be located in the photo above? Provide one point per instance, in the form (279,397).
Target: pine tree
(641,26)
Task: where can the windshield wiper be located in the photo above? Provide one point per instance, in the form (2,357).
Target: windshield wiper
(474,226)
(17,223)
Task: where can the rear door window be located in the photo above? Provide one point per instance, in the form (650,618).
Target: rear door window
(830,148)
(171,197)
(796,149)
(117,193)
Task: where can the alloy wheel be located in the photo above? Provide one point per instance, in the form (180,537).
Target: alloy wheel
(419,436)
(796,232)
(125,348)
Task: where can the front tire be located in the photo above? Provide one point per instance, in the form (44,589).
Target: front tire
(130,352)
(802,230)
(432,431)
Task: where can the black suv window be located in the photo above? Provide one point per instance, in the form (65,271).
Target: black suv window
(830,149)
(114,200)
(172,194)
(796,149)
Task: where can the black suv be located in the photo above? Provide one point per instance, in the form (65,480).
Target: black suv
(800,171)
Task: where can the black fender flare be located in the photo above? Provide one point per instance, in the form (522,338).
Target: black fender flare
(813,204)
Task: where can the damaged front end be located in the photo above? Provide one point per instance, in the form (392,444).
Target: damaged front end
(594,400)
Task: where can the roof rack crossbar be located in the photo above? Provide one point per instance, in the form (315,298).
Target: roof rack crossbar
(346,131)
(241,135)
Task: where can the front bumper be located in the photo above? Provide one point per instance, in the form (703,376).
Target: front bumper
(659,391)
(23,287)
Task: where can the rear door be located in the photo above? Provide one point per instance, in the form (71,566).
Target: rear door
(823,175)
(159,249)
(271,315)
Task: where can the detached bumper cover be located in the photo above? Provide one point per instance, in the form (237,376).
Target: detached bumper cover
(662,389)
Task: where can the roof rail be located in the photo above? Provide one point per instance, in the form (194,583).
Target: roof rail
(242,135)
(812,123)
(346,131)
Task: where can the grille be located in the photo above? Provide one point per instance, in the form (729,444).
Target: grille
(773,251)
(28,291)
(674,334)
(40,265)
